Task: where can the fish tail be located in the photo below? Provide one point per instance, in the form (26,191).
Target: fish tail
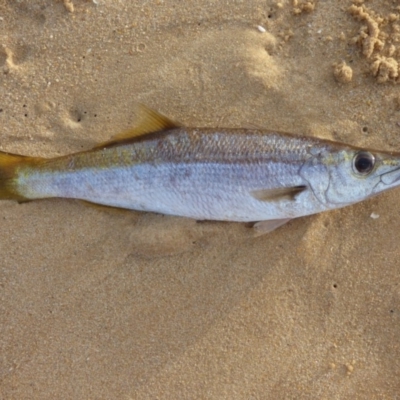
(9,167)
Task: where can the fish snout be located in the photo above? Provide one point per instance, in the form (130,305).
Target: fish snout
(391,177)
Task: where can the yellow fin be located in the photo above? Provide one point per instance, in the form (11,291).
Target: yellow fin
(103,207)
(8,166)
(288,193)
(149,121)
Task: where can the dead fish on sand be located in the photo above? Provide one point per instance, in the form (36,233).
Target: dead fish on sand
(207,174)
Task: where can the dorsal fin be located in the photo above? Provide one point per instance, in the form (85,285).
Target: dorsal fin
(148,121)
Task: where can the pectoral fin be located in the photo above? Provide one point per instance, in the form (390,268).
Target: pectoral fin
(287,193)
(263,227)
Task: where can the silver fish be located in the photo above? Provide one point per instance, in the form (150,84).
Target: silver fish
(207,174)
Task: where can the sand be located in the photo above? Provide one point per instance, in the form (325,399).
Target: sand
(104,304)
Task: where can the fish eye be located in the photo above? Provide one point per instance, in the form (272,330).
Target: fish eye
(363,163)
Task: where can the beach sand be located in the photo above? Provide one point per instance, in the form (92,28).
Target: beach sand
(105,304)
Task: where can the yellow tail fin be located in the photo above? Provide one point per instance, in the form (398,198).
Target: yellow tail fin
(9,164)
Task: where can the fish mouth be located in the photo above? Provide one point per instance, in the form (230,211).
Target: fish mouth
(391,177)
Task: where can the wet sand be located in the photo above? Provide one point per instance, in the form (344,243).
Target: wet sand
(104,304)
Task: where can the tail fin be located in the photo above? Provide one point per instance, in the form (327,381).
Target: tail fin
(9,164)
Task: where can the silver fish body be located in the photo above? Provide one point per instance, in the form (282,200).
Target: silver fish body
(232,175)
(204,173)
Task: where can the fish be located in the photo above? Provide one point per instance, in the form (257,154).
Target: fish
(261,176)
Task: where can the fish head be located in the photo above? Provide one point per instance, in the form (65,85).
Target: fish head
(347,175)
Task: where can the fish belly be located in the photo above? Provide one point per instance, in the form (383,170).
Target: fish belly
(207,190)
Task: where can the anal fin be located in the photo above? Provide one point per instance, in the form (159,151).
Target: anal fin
(104,207)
